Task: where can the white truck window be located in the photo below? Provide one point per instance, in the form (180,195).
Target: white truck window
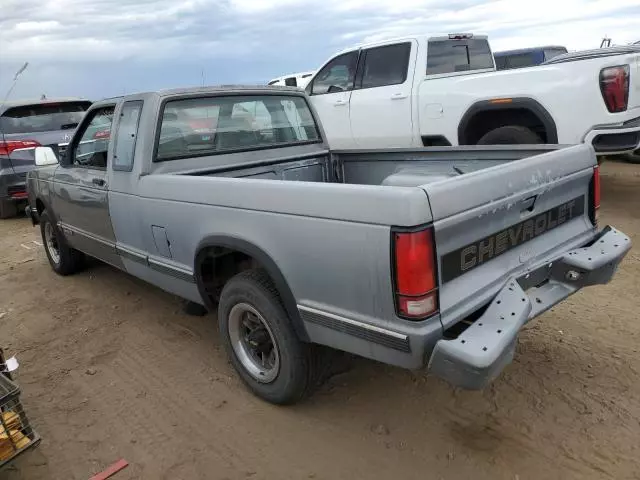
(336,76)
(241,123)
(385,65)
(125,140)
(449,56)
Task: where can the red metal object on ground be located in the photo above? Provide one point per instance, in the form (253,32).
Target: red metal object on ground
(112,470)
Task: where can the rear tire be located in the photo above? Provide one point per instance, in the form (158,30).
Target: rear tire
(633,157)
(261,342)
(510,135)
(63,259)
(8,209)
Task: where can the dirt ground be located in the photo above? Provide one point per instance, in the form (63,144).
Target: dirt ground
(111,368)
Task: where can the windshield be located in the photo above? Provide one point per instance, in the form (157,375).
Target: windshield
(43,117)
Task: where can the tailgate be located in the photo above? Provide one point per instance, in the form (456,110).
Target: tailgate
(495,223)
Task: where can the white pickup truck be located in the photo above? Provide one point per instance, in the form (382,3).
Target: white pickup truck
(438,91)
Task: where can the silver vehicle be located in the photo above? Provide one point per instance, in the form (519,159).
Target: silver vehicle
(414,257)
(24,126)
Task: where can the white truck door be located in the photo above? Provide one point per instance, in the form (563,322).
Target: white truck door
(381,103)
(330,92)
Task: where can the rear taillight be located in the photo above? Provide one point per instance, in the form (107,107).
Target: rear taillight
(415,275)
(614,85)
(595,195)
(17,192)
(11,145)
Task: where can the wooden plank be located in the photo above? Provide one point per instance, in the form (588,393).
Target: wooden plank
(112,470)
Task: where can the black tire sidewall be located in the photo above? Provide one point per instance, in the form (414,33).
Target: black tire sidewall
(292,381)
(510,135)
(633,157)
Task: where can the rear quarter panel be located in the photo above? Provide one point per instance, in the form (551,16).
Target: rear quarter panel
(330,241)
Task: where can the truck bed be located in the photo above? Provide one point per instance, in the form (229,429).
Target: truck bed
(470,194)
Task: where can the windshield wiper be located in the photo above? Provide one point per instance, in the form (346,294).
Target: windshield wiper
(68,126)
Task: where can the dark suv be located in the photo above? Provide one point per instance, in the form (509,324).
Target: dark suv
(24,126)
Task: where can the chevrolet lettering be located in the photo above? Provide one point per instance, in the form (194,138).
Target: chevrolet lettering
(471,256)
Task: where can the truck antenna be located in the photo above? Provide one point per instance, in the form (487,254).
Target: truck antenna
(13,83)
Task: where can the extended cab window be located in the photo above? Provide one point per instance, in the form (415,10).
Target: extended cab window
(125,140)
(210,125)
(336,76)
(91,150)
(385,65)
(449,56)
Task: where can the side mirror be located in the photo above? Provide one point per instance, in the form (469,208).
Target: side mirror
(45,156)
(335,89)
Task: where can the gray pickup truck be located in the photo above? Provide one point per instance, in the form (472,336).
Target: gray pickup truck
(230,198)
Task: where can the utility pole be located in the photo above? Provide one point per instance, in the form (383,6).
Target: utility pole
(203,77)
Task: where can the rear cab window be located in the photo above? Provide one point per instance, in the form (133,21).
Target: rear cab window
(204,126)
(447,55)
(43,117)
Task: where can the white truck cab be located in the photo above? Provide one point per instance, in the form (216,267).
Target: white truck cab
(445,90)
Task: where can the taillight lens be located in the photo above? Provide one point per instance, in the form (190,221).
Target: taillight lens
(415,274)
(11,145)
(614,85)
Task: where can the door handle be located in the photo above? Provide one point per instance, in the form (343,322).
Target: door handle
(99,182)
(398,96)
(339,103)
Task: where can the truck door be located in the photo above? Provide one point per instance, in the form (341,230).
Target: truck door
(330,92)
(381,106)
(80,188)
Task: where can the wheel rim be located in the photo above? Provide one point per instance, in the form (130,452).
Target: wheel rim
(52,243)
(253,343)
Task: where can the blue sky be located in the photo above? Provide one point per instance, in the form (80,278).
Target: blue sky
(99,48)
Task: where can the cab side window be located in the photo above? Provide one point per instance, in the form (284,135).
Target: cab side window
(91,150)
(385,65)
(125,140)
(336,76)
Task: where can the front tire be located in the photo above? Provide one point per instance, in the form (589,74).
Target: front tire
(510,135)
(261,342)
(63,259)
